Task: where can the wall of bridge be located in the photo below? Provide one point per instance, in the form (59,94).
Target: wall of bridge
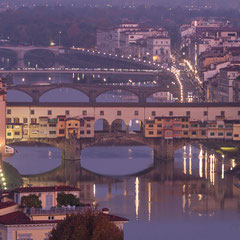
(124,112)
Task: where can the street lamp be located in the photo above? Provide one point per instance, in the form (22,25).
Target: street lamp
(59,35)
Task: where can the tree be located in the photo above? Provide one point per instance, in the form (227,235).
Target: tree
(88,226)
(64,199)
(31,201)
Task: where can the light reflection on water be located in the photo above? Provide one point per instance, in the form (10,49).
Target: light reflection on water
(199,201)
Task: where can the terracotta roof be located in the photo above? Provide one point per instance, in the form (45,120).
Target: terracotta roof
(113,218)
(7,204)
(17,217)
(45,189)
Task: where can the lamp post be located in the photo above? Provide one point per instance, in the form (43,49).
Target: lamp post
(59,35)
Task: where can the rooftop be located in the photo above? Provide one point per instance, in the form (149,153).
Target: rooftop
(45,189)
(7,204)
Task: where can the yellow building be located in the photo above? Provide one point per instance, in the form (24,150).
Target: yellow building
(48,195)
(14,131)
(72,127)
(236,132)
(61,126)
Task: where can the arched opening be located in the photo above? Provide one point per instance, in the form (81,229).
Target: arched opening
(135,126)
(8,58)
(101,125)
(64,95)
(161,97)
(118,125)
(18,96)
(39,58)
(117,95)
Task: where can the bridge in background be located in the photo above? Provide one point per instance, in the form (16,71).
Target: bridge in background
(93,90)
(22,50)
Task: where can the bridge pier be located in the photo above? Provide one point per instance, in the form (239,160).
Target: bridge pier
(20,59)
(164,149)
(71,150)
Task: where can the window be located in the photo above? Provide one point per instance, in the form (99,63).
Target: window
(25,236)
(88,131)
(61,131)
(17,133)
(188,113)
(220,134)
(52,125)
(9,134)
(32,112)
(185,133)
(67,112)
(33,120)
(82,132)
(16,120)
(203,133)
(159,132)
(212,134)
(169,132)
(69,124)
(150,132)
(9,111)
(153,113)
(229,134)
(150,125)
(194,133)
(170,113)
(88,125)
(159,125)
(119,113)
(8,120)
(84,112)
(222,113)
(52,132)
(101,113)
(220,126)
(205,113)
(177,132)
(177,125)
(49,112)
(136,113)
(25,120)
(50,217)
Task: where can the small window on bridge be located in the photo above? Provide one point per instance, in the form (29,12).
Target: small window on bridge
(188,113)
(238,113)
(25,120)
(153,113)
(16,120)
(32,112)
(49,112)
(81,132)
(101,113)
(67,112)
(136,113)
(170,113)
(9,111)
(88,132)
(222,113)
(8,120)
(119,113)
(205,113)
(84,112)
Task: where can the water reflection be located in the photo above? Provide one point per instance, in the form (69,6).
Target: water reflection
(169,195)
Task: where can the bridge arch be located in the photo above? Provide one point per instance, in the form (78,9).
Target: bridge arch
(118,125)
(117,95)
(101,125)
(18,96)
(135,125)
(63,94)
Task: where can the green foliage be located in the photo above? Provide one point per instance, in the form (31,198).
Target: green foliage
(64,199)
(31,201)
(87,226)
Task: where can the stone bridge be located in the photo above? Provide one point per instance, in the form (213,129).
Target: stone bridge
(22,50)
(163,148)
(93,90)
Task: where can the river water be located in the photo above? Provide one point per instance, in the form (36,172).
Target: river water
(188,197)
